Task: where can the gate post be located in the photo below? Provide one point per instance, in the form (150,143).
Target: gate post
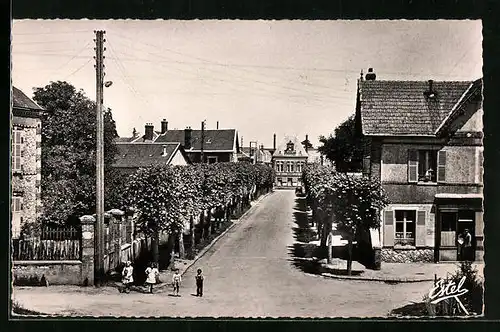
(117,233)
(87,249)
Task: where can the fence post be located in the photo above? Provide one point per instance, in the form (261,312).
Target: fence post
(87,249)
(117,233)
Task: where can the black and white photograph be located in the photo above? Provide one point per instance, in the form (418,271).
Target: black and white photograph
(247,168)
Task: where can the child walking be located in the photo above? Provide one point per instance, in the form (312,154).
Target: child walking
(152,273)
(176,281)
(127,276)
(199,283)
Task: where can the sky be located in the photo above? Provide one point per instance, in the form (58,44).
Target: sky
(289,77)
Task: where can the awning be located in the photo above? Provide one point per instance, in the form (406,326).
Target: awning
(458,196)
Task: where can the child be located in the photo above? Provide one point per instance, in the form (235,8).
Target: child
(176,281)
(127,276)
(199,283)
(151,273)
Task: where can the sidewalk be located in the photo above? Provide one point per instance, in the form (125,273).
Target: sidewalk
(400,272)
(184,264)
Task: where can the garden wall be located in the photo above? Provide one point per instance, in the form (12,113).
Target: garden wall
(54,272)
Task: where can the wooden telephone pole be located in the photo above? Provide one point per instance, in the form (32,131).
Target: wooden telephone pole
(202,141)
(99,234)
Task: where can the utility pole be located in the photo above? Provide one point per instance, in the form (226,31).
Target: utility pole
(99,234)
(202,140)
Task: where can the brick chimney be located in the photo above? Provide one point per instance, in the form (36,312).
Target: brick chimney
(164,126)
(274,142)
(307,143)
(164,151)
(148,132)
(188,133)
(370,76)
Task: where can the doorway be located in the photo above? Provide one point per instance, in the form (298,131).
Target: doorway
(453,223)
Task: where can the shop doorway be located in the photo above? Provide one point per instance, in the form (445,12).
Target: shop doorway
(453,223)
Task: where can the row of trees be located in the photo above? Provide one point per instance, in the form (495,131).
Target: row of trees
(351,202)
(173,199)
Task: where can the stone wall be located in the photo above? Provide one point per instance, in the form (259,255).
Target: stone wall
(54,272)
(389,255)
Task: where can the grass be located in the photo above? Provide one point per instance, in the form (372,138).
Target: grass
(20,310)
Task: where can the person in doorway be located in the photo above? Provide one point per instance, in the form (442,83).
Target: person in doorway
(199,282)
(465,242)
(127,276)
(176,281)
(151,273)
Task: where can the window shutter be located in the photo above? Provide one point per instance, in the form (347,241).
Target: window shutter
(481,169)
(412,165)
(420,230)
(388,228)
(441,171)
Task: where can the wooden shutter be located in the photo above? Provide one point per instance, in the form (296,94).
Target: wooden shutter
(420,229)
(412,165)
(388,228)
(441,165)
(481,169)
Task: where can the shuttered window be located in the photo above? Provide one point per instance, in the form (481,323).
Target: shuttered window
(17,143)
(481,169)
(421,232)
(17,208)
(441,174)
(412,165)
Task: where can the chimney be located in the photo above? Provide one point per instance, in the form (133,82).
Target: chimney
(164,151)
(274,142)
(148,131)
(217,125)
(370,76)
(241,141)
(164,126)
(430,93)
(307,142)
(187,138)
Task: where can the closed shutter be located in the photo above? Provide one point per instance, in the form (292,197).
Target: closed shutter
(441,171)
(420,231)
(481,169)
(412,165)
(388,228)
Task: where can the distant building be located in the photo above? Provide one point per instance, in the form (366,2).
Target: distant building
(26,153)
(288,161)
(258,155)
(219,145)
(132,156)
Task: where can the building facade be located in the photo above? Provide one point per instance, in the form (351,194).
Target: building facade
(425,146)
(26,138)
(288,161)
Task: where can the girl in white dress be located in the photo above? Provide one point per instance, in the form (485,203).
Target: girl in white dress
(152,273)
(127,276)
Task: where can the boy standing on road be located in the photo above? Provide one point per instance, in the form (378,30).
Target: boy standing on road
(176,281)
(199,283)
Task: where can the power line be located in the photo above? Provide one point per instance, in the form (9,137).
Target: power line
(78,69)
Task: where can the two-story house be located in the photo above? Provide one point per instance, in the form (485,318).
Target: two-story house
(425,146)
(288,161)
(26,152)
(217,145)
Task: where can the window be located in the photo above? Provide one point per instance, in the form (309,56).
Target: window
(212,159)
(280,181)
(448,221)
(423,166)
(405,227)
(292,166)
(17,208)
(279,166)
(288,166)
(17,143)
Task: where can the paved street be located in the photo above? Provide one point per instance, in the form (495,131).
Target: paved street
(248,273)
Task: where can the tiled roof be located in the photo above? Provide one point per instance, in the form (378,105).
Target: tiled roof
(143,154)
(393,108)
(20,100)
(220,139)
(124,139)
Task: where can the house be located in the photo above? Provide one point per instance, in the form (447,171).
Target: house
(132,156)
(288,161)
(219,145)
(26,138)
(258,155)
(425,146)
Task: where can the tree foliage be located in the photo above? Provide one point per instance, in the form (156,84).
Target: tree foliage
(351,202)
(68,151)
(345,147)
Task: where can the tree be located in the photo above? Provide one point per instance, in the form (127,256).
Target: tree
(68,152)
(345,147)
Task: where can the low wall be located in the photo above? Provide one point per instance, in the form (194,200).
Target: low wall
(54,272)
(389,255)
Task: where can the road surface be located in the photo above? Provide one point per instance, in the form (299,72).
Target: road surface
(248,273)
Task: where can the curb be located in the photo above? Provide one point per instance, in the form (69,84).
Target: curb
(386,280)
(214,241)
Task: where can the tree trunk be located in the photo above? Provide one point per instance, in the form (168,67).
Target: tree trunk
(329,244)
(349,258)
(191,237)
(155,240)
(208,223)
(182,250)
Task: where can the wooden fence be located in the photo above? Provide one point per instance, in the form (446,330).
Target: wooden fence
(54,243)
